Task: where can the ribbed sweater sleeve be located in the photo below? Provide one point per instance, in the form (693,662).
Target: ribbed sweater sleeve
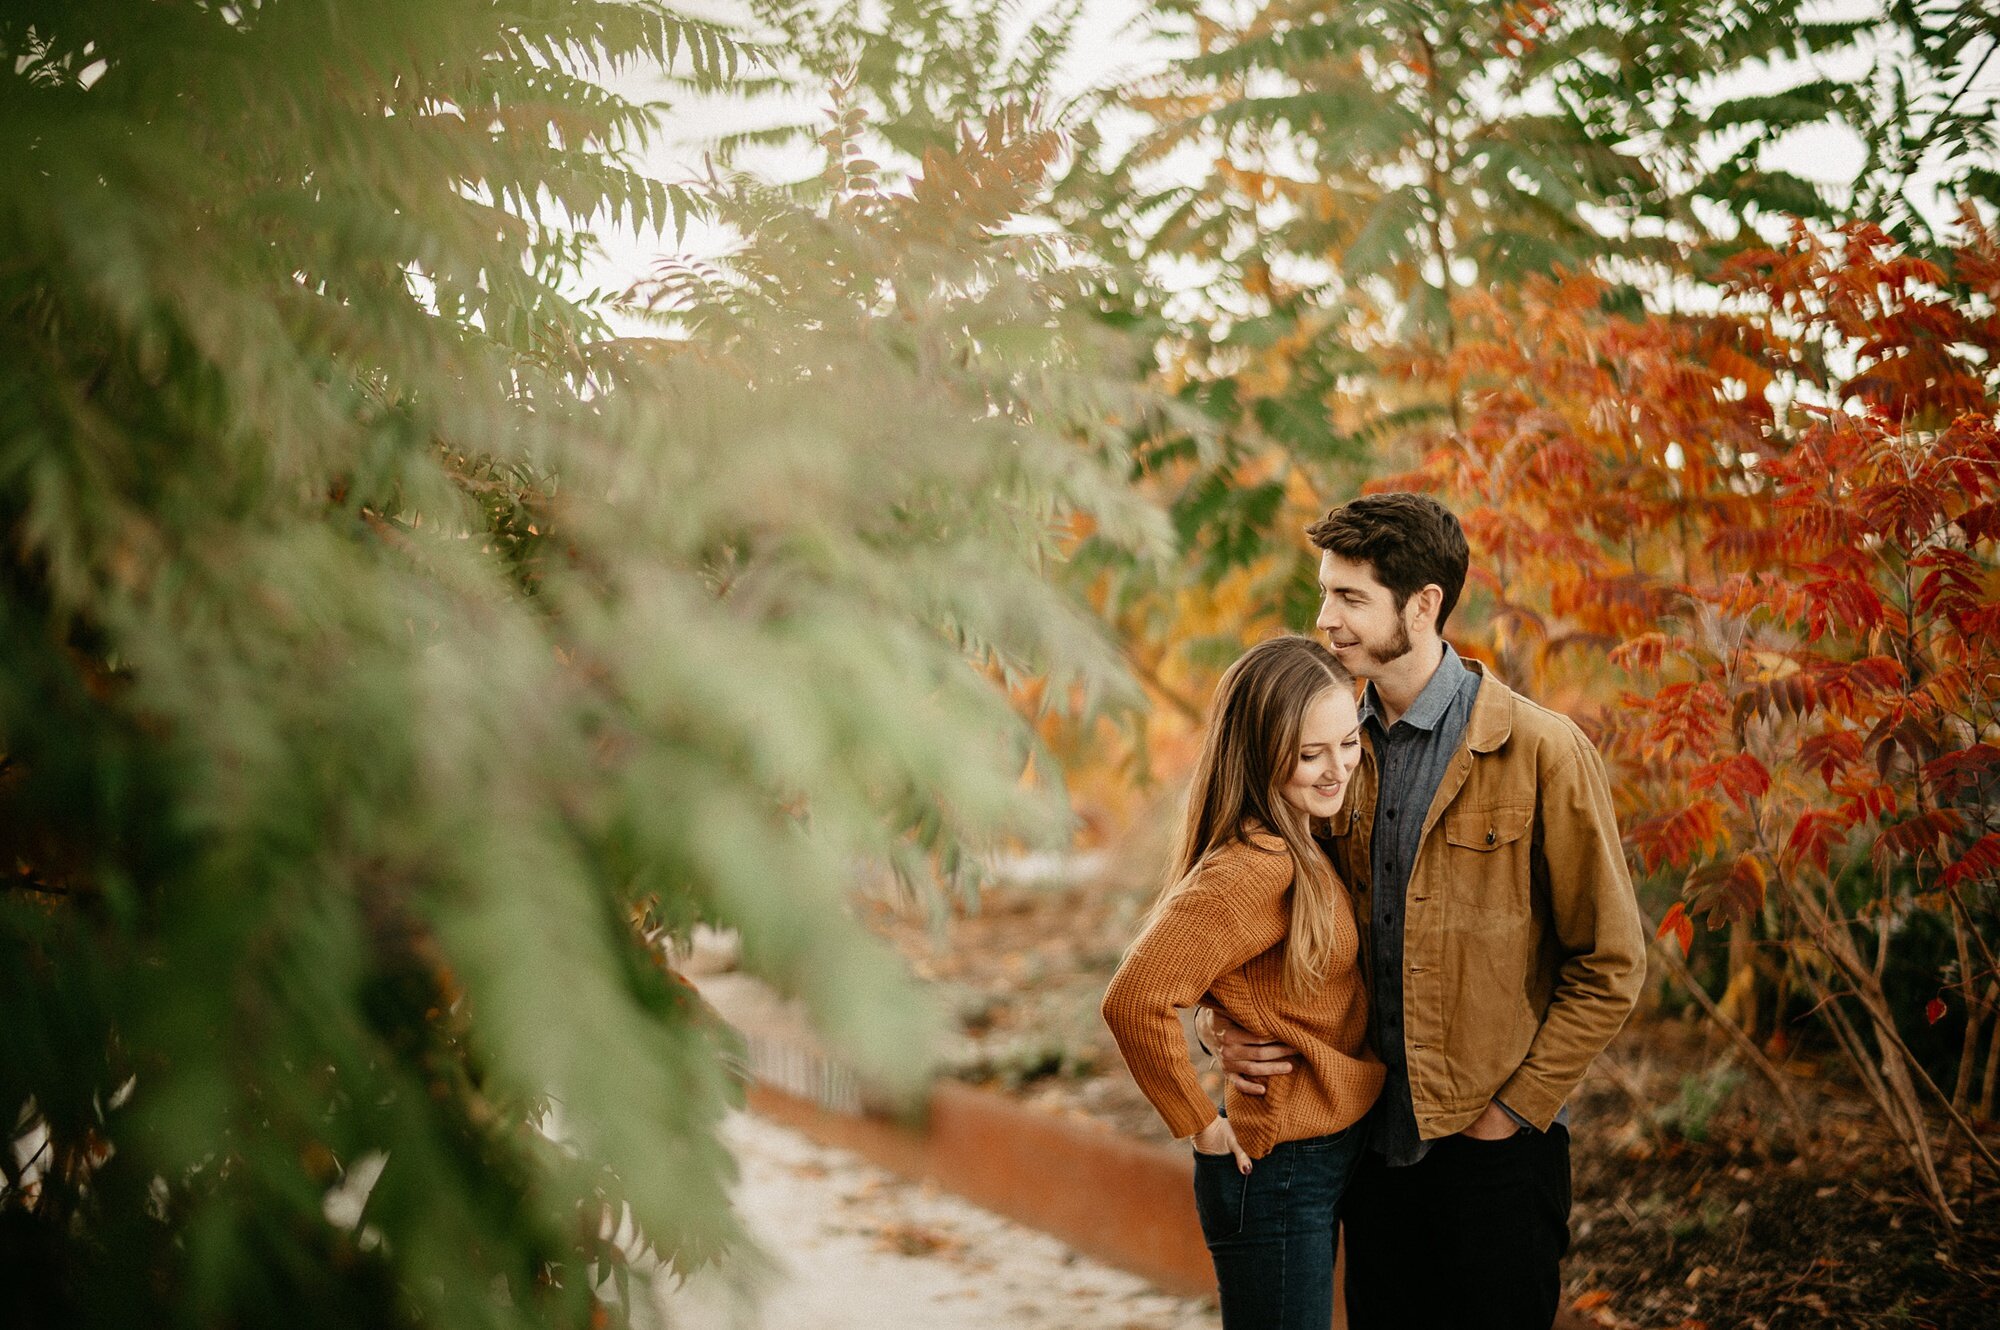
(1232,912)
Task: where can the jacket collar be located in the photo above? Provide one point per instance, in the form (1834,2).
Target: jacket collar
(1492,718)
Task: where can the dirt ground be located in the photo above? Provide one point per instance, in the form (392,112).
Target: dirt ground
(1692,1211)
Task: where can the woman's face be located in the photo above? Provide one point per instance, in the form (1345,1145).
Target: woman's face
(1329,749)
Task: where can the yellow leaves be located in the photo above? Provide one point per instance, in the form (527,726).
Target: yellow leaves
(1175,108)
(1772,665)
(1240,604)
(1257,186)
(1300,496)
(1077,528)
(1265,376)
(1269,371)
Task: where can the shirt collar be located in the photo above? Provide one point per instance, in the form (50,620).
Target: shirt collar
(1432,703)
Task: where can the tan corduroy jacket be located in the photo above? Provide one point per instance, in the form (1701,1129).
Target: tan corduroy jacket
(1221,939)
(1523,950)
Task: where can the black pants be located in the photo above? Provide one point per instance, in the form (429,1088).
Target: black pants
(1470,1238)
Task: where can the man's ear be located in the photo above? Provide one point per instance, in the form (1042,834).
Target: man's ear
(1424,605)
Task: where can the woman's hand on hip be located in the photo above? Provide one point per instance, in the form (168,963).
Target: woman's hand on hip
(1219,1138)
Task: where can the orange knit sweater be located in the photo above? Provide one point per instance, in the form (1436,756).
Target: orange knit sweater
(1221,941)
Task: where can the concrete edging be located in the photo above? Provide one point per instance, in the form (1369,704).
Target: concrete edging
(1124,1202)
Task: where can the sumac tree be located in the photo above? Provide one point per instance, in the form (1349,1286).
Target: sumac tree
(1761,548)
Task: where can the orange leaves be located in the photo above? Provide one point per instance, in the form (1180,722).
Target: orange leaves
(1687,717)
(1522,26)
(1978,863)
(1848,689)
(1871,803)
(1953,582)
(1678,926)
(1617,606)
(1830,753)
(1729,891)
(1981,522)
(1742,777)
(1814,837)
(1257,186)
(1838,688)
(1641,655)
(1804,601)
(1925,833)
(1871,674)
(1895,311)
(1840,602)
(1793,696)
(1674,839)
(1963,770)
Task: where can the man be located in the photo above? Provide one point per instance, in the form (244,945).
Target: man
(1502,938)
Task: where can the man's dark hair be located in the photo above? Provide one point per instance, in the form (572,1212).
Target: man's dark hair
(1410,540)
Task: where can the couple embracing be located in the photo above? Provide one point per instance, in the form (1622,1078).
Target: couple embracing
(1407,926)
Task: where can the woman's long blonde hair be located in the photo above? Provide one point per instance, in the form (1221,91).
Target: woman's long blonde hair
(1250,752)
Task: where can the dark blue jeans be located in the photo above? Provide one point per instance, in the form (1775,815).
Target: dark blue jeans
(1271,1233)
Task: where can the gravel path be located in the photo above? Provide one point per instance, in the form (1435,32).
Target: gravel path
(860,1249)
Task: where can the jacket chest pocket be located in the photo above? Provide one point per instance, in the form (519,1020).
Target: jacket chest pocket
(1486,857)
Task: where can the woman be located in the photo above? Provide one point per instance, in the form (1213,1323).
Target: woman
(1255,923)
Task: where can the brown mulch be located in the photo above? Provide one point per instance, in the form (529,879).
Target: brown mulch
(1692,1210)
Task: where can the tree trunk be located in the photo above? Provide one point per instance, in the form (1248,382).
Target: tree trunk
(1888,1084)
(1739,997)
(1992,1081)
(1975,1017)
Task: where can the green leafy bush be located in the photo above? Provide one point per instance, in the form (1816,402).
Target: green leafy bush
(389,657)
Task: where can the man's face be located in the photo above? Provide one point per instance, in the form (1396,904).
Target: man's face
(1359,616)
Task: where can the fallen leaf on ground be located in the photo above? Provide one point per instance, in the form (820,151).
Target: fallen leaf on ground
(917,1240)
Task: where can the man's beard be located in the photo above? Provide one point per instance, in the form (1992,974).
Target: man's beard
(1397,647)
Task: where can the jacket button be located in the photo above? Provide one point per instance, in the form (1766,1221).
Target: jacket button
(1489,835)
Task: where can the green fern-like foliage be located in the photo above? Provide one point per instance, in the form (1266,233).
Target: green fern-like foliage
(1411,150)
(389,657)
(1929,116)
(919,70)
